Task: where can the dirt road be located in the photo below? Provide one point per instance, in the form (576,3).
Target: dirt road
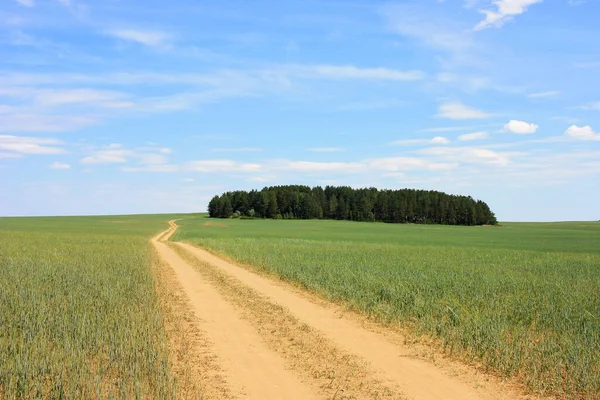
(273,342)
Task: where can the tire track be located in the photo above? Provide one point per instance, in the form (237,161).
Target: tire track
(250,369)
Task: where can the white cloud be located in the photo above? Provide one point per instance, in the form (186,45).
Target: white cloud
(116,154)
(59,165)
(152,168)
(371,105)
(520,127)
(506,10)
(352,72)
(457,110)
(413,142)
(258,179)
(470,155)
(316,166)
(166,150)
(146,38)
(582,133)
(222,166)
(445,129)
(59,97)
(236,150)
(26,3)
(30,122)
(439,140)
(590,106)
(473,136)
(37,108)
(393,164)
(550,93)
(386,164)
(113,154)
(326,149)
(467,83)
(150,158)
(30,145)
(418,22)
(409,142)
(79,10)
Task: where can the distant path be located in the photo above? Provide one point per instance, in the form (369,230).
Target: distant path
(254,368)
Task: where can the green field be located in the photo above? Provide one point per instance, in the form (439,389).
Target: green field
(522,299)
(79,315)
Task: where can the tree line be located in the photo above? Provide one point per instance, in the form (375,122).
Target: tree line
(346,203)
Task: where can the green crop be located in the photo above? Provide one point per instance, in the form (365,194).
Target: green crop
(522,299)
(79,316)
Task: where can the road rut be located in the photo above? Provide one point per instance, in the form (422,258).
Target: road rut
(251,370)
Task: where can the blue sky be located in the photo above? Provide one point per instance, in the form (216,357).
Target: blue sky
(126,106)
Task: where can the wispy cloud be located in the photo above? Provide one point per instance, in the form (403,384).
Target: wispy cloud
(352,72)
(550,93)
(471,155)
(222,166)
(590,106)
(117,154)
(371,105)
(237,150)
(143,37)
(21,145)
(505,11)
(394,164)
(474,136)
(78,10)
(153,168)
(439,140)
(26,3)
(457,110)
(419,23)
(319,166)
(48,98)
(22,122)
(259,179)
(445,129)
(326,149)
(113,153)
(59,165)
(413,142)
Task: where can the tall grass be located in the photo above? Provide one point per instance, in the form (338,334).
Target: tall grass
(526,312)
(79,316)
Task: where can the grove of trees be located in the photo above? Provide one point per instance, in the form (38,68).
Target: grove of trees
(345,203)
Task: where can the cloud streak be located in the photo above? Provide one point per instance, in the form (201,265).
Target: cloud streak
(59,165)
(26,3)
(459,111)
(143,37)
(474,136)
(21,145)
(505,11)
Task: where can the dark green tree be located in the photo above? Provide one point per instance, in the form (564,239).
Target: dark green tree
(345,203)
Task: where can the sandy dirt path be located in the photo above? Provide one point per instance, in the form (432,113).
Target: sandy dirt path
(416,378)
(251,370)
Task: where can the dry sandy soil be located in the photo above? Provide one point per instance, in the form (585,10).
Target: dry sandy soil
(258,338)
